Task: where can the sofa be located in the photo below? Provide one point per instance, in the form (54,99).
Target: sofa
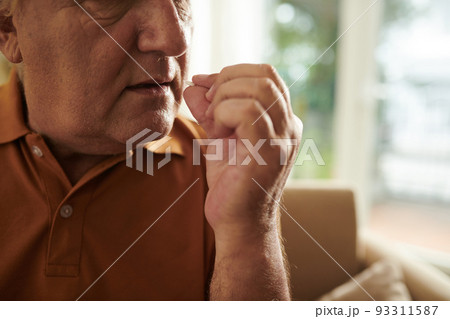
(325,249)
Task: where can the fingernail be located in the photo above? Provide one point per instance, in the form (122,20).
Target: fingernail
(210,94)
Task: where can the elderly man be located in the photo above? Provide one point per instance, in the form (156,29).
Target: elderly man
(76,222)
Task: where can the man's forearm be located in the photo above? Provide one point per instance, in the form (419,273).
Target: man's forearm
(251,269)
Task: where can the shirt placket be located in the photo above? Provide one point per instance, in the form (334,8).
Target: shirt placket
(67,206)
(66,235)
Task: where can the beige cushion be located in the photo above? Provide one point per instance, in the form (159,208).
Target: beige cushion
(327,214)
(383,281)
(424,281)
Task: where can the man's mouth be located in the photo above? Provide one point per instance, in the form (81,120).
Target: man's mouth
(151,88)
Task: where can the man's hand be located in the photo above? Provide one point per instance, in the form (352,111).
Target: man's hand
(248,104)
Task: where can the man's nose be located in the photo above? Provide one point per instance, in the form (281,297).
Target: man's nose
(161,29)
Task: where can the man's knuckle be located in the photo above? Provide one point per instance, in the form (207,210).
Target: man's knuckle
(269,69)
(252,108)
(264,123)
(266,85)
(297,128)
(226,71)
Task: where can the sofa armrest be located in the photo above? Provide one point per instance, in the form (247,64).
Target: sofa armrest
(424,282)
(313,215)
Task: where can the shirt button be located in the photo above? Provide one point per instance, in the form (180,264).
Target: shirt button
(66,211)
(37,151)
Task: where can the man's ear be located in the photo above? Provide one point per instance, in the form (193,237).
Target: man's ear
(9,44)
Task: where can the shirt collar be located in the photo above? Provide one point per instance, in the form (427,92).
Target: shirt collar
(12,122)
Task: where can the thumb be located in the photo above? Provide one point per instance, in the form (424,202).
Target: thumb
(198,104)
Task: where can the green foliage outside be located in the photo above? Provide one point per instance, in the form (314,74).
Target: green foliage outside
(301,31)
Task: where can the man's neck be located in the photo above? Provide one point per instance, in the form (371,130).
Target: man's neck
(74,165)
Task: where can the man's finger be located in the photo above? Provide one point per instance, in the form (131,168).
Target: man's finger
(250,71)
(235,116)
(204,80)
(198,104)
(263,90)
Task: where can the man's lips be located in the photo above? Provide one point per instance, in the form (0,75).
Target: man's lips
(151,88)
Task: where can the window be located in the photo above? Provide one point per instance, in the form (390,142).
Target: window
(412,169)
(413,143)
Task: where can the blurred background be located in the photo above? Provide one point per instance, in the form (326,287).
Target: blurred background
(371,82)
(376,102)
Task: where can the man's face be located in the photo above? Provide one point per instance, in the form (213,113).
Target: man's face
(82,90)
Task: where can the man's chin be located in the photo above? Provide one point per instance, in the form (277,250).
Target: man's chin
(155,129)
(118,138)
(160,122)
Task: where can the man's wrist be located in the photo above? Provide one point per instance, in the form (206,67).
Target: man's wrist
(230,236)
(258,243)
(250,268)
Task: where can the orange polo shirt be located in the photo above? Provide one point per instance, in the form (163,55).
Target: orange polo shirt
(60,241)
